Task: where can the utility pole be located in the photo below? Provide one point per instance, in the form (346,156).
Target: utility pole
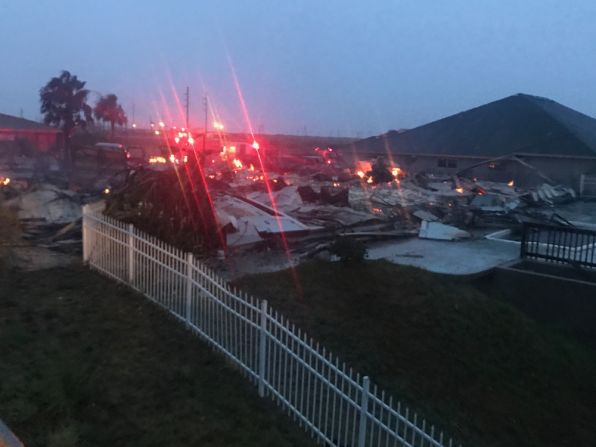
(206,106)
(187,105)
(133,113)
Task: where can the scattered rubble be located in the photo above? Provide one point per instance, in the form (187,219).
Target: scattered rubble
(441,232)
(232,204)
(47,203)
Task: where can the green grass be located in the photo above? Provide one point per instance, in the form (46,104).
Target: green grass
(86,362)
(474,365)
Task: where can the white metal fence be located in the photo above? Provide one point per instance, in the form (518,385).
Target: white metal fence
(335,404)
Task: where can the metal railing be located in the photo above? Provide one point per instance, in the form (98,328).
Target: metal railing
(331,401)
(559,244)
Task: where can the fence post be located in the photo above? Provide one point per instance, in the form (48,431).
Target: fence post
(262,348)
(85,234)
(131,254)
(363,411)
(189,265)
(524,240)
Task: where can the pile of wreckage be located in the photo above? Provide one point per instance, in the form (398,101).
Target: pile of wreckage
(46,199)
(49,216)
(308,211)
(305,210)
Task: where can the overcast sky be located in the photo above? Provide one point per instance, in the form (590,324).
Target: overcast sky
(324,66)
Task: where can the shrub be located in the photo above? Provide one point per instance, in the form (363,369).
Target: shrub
(348,250)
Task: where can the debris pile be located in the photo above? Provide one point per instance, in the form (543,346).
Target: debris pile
(224,201)
(48,216)
(174,206)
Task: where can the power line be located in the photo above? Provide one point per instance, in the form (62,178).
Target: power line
(187,106)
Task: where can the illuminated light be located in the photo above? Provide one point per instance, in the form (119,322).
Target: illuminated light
(183,129)
(212,161)
(6,181)
(106,190)
(251,168)
(185,159)
(157,159)
(511,183)
(237,163)
(336,184)
(217,125)
(328,162)
(156,132)
(329,149)
(134,126)
(364,166)
(172,158)
(377,210)
(360,174)
(256,146)
(162,124)
(395,172)
(211,176)
(232,149)
(177,140)
(369,180)
(191,140)
(460,190)
(152,125)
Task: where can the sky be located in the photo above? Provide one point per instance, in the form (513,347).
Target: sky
(316,67)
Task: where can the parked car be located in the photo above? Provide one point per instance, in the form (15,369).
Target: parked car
(136,156)
(103,154)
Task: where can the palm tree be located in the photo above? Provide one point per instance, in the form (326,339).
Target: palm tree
(64,104)
(108,110)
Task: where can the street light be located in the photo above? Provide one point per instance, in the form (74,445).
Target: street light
(218,126)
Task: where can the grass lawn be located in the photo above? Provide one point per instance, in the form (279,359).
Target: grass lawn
(476,366)
(86,362)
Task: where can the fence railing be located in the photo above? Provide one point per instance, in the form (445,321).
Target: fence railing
(331,401)
(558,244)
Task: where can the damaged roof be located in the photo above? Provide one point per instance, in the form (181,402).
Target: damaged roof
(516,124)
(16,123)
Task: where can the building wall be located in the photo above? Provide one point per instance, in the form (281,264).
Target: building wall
(42,141)
(562,170)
